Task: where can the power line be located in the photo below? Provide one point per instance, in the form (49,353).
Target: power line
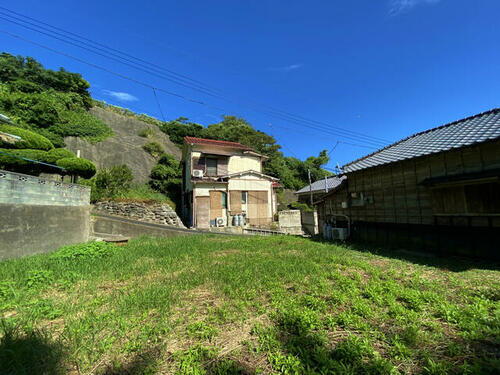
(31,160)
(133,79)
(159,105)
(108,70)
(281,114)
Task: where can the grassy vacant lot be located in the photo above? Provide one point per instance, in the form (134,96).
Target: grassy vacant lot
(233,305)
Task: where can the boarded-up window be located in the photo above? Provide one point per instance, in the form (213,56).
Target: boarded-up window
(215,204)
(468,199)
(449,200)
(258,210)
(483,198)
(235,202)
(222,166)
(202,212)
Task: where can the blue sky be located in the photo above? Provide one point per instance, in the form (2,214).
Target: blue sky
(384,68)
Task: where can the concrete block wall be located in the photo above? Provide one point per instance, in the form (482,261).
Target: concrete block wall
(310,222)
(290,221)
(23,189)
(39,215)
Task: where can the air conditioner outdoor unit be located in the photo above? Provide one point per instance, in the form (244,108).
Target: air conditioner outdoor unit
(197,172)
(220,222)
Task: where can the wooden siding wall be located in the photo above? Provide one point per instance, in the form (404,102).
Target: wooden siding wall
(395,196)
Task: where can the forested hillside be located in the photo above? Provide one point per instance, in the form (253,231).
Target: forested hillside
(55,105)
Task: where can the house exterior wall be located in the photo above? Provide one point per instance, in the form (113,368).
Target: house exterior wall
(395,198)
(261,196)
(241,163)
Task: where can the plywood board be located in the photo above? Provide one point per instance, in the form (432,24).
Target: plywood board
(235,201)
(202,212)
(215,204)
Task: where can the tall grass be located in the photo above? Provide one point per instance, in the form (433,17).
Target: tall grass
(240,305)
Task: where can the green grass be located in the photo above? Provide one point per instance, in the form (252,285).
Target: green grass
(144,193)
(246,305)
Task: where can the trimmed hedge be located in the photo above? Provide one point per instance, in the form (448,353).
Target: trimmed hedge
(55,154)
(77,166)
(30,140)
(24,166)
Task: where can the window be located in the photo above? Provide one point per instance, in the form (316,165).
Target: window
(224,199)
(211,166)
(244,197)
(481,199)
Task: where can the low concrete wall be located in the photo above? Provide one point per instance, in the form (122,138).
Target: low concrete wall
(23,189)
(39,215)
(310,222)
(103,225)
(32,229)
(290,221)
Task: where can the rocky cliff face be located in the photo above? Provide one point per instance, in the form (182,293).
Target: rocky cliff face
(125,146)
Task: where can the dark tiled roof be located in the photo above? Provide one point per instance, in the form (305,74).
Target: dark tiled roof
(331,183)
(471,130)
(214,142)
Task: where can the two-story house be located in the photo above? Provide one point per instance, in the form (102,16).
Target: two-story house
(222,180)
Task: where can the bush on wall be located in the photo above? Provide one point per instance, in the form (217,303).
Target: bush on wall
(77,166)
(28,140)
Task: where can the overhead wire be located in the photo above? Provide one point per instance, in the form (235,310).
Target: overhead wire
(278,113)
(132,79)
(31,160)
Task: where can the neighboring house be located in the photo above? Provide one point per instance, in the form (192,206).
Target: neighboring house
(438,190)
(318,189)
(223,179)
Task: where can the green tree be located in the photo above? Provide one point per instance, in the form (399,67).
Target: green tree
(180,128)
(166,177)
(109,182)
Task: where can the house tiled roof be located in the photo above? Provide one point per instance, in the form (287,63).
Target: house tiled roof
(471,130)
(331,183)
(214,142)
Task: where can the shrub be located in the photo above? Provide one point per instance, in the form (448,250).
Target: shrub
(56,139)
(87,250)
(146,133)
(56,154)
(166,177)
(77,166)
(154,149)
(25,86)
(29,139)
(81,124)
(301,206)
(15,164)
(109,182)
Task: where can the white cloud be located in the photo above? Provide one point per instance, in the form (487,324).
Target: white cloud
(287,68)
(402,6)
(121,96)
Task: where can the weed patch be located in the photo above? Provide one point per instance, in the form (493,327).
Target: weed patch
(245,305)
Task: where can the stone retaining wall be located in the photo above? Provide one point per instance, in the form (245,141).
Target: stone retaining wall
(148,212)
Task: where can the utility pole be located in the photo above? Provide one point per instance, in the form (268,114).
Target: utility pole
(310,186)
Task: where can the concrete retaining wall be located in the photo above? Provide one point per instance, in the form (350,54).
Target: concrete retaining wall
(30,229)
(39,215)
(310,222)
(19,188)
(147,212)
(290,222)
(108,225)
